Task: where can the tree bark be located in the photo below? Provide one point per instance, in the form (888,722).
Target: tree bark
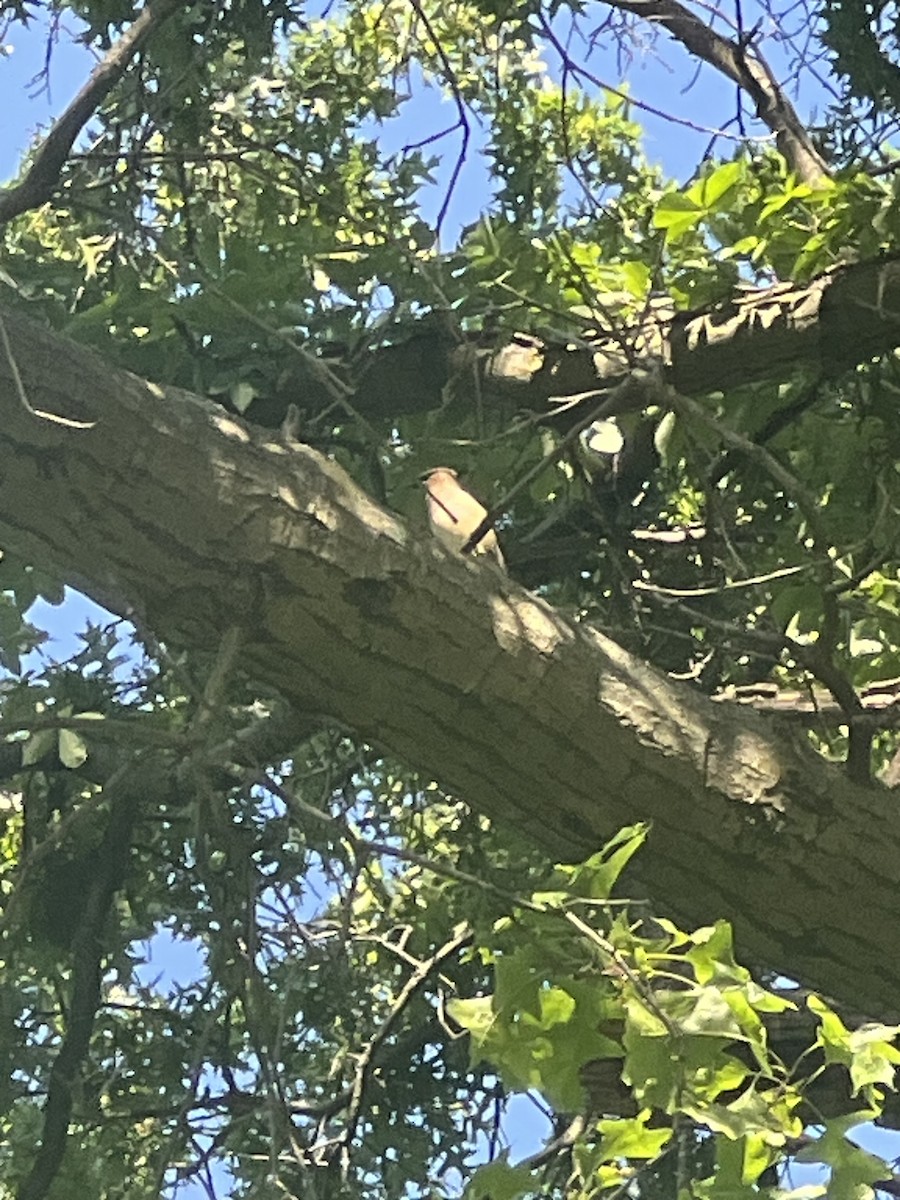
(844,317)
(169,511)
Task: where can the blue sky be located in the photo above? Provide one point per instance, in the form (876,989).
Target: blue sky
(30,103)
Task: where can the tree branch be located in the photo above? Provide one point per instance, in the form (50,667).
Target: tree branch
(462,936)
(42,176)
(203,523)
(846,316)
(745,68)
(87,956)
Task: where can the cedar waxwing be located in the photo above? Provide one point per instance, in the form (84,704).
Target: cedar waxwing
(454,514)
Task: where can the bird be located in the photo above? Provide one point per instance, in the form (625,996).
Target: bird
(454,514)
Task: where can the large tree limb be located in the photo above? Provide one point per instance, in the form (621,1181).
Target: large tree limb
(168,510)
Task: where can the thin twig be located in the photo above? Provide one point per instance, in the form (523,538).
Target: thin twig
(628,394)
(746,68)
(577,69)
(417,980)
(463,119)
(729,585)
(817,657)
(42,414)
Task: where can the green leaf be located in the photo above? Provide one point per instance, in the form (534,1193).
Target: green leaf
(767,1114)
(631,1138)
(242,394)
(874,1057)
(497,1180)
(707,193)
(740,1162)
(677,215)
(710,1015)
(596,877)
(757,1156)
(712,955)
(853,1170)
(72,749)
(557,1007)
(476,1016)
(518,977)
(38,745)
(636,277)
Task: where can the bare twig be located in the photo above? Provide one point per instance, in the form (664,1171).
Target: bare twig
(577,69)
(417,980)
(630,393)
(817,657)
(717,589)
(219,677)
(338,390)
(42,414)
(462,116)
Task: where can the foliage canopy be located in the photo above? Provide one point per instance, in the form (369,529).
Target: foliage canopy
(338,217)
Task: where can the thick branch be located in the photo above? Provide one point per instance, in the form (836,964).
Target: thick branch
(42,176)
(845,317)
(171,511)
(745,68)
